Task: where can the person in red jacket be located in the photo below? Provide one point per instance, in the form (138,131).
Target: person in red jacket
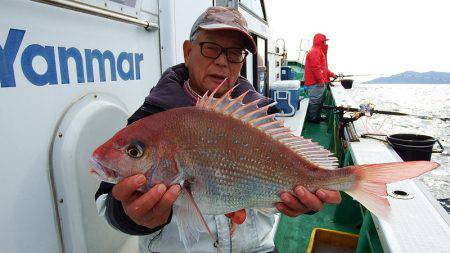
(317,75)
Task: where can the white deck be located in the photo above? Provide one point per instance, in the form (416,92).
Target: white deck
(419,224)
(296,123)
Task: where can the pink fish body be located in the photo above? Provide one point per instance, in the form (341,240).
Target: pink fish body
(229,156)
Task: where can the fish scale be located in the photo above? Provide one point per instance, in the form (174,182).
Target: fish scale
(228,156)
(244,169)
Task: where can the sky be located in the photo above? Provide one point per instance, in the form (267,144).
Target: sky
(368,37)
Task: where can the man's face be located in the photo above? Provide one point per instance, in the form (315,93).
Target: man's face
(206,74)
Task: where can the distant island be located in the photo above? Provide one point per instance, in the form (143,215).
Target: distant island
(412,77)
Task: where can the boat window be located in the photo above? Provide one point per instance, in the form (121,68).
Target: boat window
(127,7)
(255,6)
(129,3)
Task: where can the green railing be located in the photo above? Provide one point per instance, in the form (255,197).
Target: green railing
(349,211)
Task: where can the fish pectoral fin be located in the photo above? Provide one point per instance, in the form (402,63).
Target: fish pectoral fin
(189,226)
(191,222)
(237,217)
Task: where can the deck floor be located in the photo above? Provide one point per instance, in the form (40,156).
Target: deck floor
(293,233)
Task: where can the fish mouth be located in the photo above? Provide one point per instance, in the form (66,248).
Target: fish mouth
(102,172)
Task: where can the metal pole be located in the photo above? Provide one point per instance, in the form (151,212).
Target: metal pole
(96,11)
(300,50)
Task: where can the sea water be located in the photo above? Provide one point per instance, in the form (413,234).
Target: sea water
(432,100)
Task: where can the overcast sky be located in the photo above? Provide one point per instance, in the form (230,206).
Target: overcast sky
(379,36)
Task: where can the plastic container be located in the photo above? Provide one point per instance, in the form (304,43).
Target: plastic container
(287,94)
(414,147)
(325,240)
(298,68)
(287,73)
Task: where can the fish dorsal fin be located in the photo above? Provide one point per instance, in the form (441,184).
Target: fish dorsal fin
(258,117)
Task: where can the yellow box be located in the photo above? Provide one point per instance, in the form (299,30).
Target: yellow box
(327,240)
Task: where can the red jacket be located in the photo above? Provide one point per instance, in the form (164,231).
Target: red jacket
(327,72)
(316,66)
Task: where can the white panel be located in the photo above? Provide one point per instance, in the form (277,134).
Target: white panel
(167,33)
(150,6)
(30,113)
(249,66)
(88,123)
(127,7)
(176,20)
(185,15)
(98,3)
(255,25)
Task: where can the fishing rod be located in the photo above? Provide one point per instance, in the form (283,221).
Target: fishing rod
(361,75)
(368,110)
(340,76)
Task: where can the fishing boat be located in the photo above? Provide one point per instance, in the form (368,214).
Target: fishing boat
(73,71)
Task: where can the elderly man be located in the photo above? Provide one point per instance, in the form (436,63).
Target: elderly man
(216,51)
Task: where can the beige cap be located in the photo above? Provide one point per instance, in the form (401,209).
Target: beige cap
(224,18)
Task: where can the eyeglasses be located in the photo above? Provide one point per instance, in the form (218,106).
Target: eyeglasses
(213,51)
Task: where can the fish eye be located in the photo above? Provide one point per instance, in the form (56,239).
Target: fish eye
(135,150)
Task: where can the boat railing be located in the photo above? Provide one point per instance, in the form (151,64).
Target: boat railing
(417,222)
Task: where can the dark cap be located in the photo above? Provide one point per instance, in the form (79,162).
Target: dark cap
(224,18)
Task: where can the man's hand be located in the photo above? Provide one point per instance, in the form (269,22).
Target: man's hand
(306,201)
(150,209)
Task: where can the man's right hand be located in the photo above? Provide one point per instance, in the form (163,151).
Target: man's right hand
(150,209)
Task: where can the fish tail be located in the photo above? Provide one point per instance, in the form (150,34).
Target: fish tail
(370,186)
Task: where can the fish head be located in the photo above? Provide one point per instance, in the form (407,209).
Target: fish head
(127,153)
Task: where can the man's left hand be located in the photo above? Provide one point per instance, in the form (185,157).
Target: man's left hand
(305,201)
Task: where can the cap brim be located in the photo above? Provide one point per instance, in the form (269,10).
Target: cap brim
(250,43)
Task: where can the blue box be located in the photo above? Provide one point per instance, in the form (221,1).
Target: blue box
(287,73)
(287,94)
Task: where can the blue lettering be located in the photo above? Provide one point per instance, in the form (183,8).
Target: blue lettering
(129,58)
(14,40)
(8,56)
(48,53)
(90,55)
(64,55)
(137,61)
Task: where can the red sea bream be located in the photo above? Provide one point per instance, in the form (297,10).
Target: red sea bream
(228,156)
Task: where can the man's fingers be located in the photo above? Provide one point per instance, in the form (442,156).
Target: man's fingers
(292,202)
(309,200)
(146,202)
(166,202)
(330,197)
(125,189)
(286,210)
